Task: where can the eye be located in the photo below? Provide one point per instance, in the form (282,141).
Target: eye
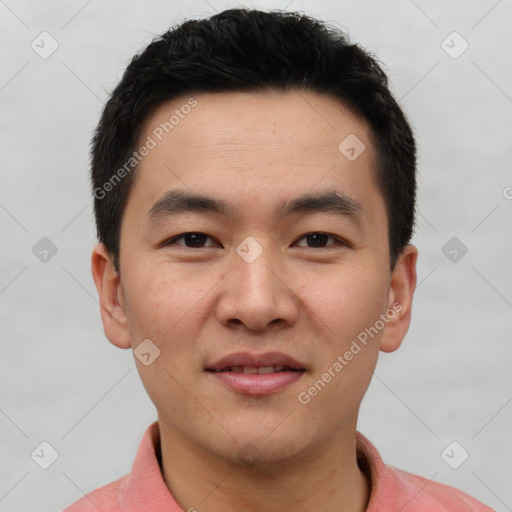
(192,240)
(195,240)
(319,239)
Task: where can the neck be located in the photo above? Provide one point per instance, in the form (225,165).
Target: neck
(327,478)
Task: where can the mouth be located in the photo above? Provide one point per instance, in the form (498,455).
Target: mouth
(261,370)
(256,374)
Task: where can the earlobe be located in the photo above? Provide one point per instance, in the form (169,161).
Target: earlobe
(108,284)
(403,284)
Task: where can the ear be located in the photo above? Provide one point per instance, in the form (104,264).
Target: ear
(403,284)
(108,284)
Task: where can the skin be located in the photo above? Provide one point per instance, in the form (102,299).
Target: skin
(200,303)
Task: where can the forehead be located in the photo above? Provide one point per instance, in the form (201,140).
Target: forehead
(251,147)
(308,120)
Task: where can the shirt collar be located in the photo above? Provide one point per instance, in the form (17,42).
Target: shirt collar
(371,464)
(145,488)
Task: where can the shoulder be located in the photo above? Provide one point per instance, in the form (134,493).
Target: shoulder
(421,494)
(395,489)
(103,498)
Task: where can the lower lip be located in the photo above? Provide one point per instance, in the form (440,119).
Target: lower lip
(257,383)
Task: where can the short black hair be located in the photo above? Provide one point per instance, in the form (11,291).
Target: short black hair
(252,50)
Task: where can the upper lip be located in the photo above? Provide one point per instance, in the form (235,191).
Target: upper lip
(259,360)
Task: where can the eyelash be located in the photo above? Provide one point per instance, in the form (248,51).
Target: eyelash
(172,241)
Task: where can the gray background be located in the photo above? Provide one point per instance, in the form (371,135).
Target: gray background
(64,383)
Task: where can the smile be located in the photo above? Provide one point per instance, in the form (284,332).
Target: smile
(257,369)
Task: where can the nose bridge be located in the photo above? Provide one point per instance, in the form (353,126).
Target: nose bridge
(254,270)
(255,293)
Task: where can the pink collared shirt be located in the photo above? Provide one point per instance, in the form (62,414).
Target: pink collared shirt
(392,490)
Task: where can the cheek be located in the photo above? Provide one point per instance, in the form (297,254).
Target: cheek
(347,301)
(348,306)
(163,307)
(161,304)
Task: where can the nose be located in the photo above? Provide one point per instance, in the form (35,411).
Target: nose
(257,293)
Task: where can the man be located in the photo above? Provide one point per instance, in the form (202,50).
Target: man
(254,185)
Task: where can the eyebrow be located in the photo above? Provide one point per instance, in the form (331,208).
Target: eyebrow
(175,202)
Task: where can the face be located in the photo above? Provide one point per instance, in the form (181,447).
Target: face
(283,286)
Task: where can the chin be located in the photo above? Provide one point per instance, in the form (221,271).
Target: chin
(259,450)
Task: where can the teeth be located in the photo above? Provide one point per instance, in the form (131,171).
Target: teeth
(253,369)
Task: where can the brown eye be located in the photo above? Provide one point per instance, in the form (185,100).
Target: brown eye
(318,240)
(192,240)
